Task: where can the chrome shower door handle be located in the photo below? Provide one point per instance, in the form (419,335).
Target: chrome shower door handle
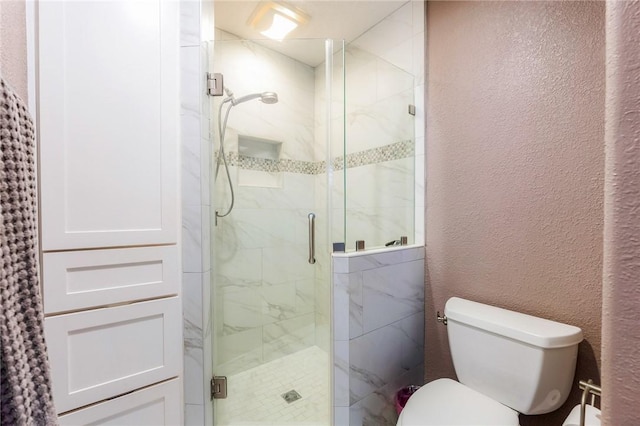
(312,238)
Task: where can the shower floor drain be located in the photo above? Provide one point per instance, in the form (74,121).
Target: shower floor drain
(291,396)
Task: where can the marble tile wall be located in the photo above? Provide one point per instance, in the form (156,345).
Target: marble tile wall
(196,277)
(378,332)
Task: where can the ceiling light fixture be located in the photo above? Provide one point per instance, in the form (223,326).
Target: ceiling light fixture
(276,19)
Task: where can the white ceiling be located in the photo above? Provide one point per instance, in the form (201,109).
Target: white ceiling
(332,19)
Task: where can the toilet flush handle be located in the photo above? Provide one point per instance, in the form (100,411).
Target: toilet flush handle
(442,319)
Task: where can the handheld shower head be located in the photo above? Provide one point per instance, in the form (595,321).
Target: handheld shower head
(269,97)
(266,97)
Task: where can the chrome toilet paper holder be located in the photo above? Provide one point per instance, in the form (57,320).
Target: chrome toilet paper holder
(588,388)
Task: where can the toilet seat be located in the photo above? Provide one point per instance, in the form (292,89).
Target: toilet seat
(445,402)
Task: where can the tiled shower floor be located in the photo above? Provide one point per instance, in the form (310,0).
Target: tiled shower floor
(254,396)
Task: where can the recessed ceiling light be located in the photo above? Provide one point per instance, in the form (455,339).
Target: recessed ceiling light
(276,19)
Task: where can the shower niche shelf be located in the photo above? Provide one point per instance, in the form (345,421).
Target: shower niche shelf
(265,149)
(259,159)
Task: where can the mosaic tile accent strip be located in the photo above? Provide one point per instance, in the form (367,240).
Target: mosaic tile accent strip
(394,151)
(266,165)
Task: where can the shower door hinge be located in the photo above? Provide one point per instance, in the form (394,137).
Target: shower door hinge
(412,109)
(215,84)
(219,387)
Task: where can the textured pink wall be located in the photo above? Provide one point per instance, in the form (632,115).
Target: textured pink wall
(621,287)
(13,45)
(515,164)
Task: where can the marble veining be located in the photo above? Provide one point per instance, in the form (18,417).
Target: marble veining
(367,379)
(381,295)
(192,238)
(189,127)
(341,374)
(190,81)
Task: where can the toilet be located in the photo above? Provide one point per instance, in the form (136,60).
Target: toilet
(507,363)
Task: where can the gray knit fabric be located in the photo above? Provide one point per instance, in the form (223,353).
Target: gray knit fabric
(25,389)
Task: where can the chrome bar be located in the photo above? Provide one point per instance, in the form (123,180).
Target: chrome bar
(312,238)
(588,388)
(594,389)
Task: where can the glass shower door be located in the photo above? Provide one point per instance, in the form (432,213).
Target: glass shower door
(271,301)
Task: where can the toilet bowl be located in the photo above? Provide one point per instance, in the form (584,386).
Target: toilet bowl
(447,402)
(507,363)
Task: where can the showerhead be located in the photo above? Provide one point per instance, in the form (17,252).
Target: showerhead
(266,97)
(269,97)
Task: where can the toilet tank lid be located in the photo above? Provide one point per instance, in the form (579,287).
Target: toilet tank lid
(535,331)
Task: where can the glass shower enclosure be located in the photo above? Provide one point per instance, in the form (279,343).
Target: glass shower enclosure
(274,191)
(314,153)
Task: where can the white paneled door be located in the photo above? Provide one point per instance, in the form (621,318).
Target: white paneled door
(108,102)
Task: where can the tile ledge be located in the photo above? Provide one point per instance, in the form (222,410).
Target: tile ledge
(380,250)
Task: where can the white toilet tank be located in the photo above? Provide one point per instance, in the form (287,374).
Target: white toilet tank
(525,362)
